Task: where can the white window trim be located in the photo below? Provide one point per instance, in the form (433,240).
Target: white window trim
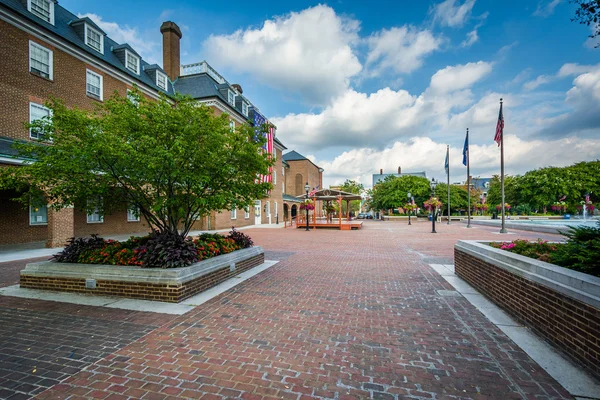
(32,104)
(34,223)
(101,220)
(132,99)
(85,38)
(51,8)
(274,177)
(232,94)
(92,95)
(231,125)
(247,213)
(134,219)
(50,58)
(160,75)
(245,108)
(130,54)
(233,214)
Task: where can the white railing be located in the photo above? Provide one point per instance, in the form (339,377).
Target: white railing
(201,67)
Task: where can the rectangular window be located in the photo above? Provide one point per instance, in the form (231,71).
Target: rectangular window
(95,215)
(132,98)
(246,213)
(274,177)
(161,80)
(38,212)
(37,112)
(94,85)
(245,109)
(231,97)
(94,39)
(42,8)
(132,62)
(233,214)
(231,125)
(133,214)
(276,210)
(40,60)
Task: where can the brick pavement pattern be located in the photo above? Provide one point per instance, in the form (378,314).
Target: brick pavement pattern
(344,315)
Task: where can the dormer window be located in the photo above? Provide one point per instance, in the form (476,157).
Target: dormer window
(245,108)
(94,39)
(42,8)
(161,80)
(231,97)
(132,62)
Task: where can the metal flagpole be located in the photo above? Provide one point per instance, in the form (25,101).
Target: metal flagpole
(503,229)
(448,173)
(468,182)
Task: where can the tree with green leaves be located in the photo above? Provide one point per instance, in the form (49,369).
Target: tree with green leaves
(458,197)
(171,160)
(393,191)
(588,13)
(352,186)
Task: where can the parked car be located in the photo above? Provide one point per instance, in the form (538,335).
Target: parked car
(362,216)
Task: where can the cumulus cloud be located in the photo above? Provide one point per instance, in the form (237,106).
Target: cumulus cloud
(545,8)
(308,52)
(149,49)
(360,119)
(401,50)
(424,154)
(452,13)
(537,82)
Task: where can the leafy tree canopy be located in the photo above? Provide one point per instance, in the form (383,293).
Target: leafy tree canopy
(352,186)
(393,191)
(171,159)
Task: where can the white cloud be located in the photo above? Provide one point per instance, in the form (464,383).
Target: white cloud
(472,38)
(452,13)
(546,8)
(308,52)
(400,49)
(537,82)
(570,69)
(459,76)
(424,154)
(149,49)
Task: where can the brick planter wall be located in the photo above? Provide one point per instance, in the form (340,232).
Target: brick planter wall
(173,289)
(570,321)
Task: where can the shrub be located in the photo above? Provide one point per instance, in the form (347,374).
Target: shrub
(241,239)
(165,250)
(76,246)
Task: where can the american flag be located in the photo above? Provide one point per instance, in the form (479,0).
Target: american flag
(259,122)
(315,190)
(499,126)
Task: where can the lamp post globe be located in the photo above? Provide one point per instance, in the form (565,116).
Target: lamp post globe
(434,209)
(409,196)
(307,188)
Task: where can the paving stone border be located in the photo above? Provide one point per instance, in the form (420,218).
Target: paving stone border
(561,305)
(169,285)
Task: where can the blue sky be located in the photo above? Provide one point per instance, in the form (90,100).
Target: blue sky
(358,86)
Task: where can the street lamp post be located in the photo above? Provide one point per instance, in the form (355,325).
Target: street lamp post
(307,188)
(433,211)
(409,196)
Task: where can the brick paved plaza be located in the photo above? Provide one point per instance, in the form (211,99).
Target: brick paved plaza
(344,315)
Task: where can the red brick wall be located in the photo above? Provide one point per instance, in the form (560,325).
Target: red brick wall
(14,222)
(142,290)
(571,325)
(115,223)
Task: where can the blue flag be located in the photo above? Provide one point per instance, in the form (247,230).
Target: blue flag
(466,150)
(447,164)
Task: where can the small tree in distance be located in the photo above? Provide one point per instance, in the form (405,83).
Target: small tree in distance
(171,160)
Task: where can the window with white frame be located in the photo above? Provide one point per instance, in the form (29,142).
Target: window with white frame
(94,215)
(133,214)
(94,39)
(276,209)
(231,125)
(132,98)
(132,62)
(231,97)
(38,211)
(42,8)
(40,60)
(37,112)
(246,213)
(245,108)
(94,85)
(274,177)
(161,80)
(234,214)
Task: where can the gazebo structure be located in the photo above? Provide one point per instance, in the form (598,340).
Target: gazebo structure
(328,196)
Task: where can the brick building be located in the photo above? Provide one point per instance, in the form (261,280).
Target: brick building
(51,52)
(298,172)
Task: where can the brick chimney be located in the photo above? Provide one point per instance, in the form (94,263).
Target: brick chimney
(171,50)
(380,171)
(399,170)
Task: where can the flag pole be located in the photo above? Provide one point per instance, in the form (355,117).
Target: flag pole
(468,183)
(503,229)
(448,173)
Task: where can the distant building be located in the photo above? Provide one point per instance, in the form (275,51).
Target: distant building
(300,170)
(381,176)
